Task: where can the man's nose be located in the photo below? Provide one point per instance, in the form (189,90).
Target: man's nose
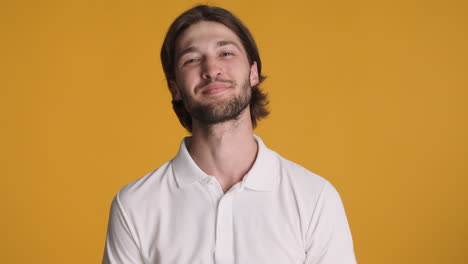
(211,69)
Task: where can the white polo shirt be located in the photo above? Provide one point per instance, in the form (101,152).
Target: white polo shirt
(279,213)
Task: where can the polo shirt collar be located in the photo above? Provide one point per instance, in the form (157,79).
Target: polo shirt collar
(263,176)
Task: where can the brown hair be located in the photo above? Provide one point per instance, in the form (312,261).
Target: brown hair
(199,13)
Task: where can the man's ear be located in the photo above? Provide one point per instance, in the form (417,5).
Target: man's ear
(254,80)
(174,88)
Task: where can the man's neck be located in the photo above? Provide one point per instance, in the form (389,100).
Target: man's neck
(226,151)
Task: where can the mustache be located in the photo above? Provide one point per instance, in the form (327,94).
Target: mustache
(218,80)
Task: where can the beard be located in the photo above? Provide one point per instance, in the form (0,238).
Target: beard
(219,112)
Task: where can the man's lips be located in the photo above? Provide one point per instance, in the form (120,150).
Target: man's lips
(215,88)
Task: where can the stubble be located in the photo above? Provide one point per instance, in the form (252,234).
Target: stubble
(219,112)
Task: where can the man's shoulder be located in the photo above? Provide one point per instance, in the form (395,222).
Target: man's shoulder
(289,173)
(306,188)
(300,177)
(144,188)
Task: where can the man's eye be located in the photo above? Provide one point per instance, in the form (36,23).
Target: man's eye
(190,61)
(227,53)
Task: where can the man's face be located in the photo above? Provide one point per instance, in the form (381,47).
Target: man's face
(213,75)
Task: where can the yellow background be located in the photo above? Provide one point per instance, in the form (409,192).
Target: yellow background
(372,95)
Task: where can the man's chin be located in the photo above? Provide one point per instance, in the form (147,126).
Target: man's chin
(211,115)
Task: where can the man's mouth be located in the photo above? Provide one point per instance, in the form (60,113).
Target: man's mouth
(215,88)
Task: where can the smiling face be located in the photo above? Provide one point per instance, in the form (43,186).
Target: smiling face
(213,76)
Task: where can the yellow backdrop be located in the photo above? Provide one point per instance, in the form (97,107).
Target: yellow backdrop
(372,95)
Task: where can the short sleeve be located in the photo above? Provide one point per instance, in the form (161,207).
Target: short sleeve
(328,238)
(121,245)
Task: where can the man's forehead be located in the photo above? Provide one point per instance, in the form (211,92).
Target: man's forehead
(215,33)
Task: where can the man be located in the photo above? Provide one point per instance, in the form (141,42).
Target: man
(225,197)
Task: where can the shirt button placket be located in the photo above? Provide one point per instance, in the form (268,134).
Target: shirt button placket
(224,231)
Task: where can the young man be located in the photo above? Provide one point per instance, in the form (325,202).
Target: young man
(225,197)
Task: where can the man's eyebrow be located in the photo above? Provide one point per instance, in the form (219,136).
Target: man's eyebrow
(185,51)
(227,42)
(221,43)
